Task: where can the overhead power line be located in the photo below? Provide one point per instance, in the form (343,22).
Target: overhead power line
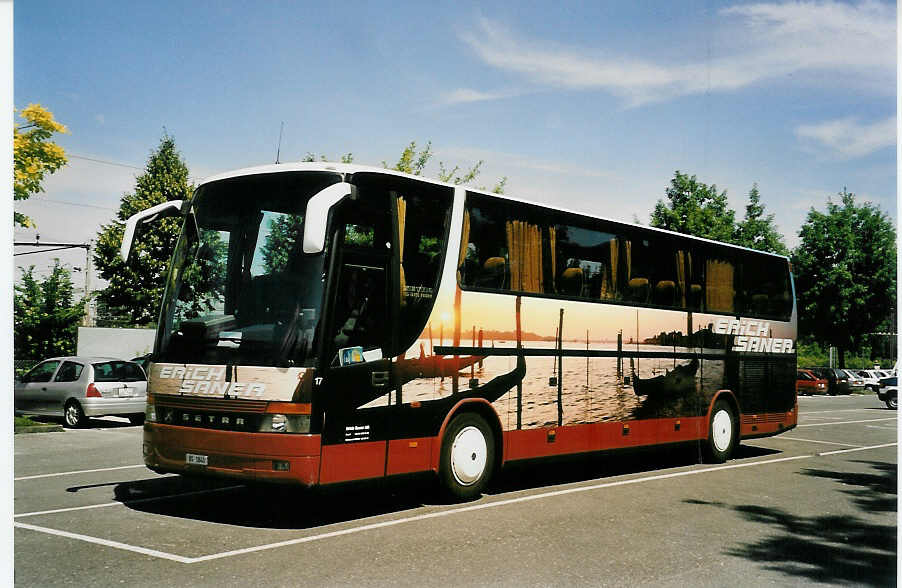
(95,160)
(117,164)
(75,204)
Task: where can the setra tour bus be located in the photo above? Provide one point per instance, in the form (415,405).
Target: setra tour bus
(325,323)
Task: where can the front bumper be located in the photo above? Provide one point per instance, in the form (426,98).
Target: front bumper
(242,456)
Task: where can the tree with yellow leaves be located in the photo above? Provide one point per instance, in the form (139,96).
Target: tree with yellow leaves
(34,155)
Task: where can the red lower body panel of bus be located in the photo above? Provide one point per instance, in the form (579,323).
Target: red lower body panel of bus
(292,458)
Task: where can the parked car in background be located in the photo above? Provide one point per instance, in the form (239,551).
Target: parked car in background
(837,379)
(808,383)
(889,392)
(872,378)
(856,382)
(76,388)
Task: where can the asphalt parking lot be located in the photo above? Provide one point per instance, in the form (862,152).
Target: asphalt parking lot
(815,505)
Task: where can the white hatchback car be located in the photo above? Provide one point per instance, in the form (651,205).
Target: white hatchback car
(76,388)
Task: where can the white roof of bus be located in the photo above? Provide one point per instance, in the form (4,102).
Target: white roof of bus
(352,168)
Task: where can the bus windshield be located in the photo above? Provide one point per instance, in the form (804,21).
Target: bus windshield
(241,291)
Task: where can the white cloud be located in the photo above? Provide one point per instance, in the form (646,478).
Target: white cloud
(467,95)
(848,138)
(757,42)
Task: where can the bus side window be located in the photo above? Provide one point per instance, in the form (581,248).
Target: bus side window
(485,260)
(765,286)
(581,262)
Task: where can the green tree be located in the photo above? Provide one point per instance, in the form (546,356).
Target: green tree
(695,208)
(34,155)
(845,269)
(757,230)
(413,162)
(45,314)
(138,286)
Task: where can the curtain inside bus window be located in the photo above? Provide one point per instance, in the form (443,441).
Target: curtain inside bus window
(681,258)
(615,259)
(719,292)
(464,246)
(524,243)
(552,246)
(402,214)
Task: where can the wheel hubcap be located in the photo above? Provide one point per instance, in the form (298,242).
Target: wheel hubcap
(722,430)
(71,414)
(469,453)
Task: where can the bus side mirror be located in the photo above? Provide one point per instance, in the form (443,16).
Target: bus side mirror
(170,208)
(317,215)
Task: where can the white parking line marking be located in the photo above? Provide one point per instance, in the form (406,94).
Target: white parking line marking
(124,502)
(77,472)
(433,515)
(105,542)
(857,449)
(817,441)
(806,413)
(847,422)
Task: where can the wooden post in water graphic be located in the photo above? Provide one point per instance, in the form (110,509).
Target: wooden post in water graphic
(520,381)
(473,365)
(620,356)
(456,339)
(587,358)
(480,345)
(560,370)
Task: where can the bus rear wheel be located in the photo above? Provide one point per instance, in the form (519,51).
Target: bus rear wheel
(467,458)
(722,436)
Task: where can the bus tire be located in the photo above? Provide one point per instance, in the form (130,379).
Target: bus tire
(722,437)
(467,458)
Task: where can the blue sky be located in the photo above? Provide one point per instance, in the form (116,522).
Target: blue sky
(587,105)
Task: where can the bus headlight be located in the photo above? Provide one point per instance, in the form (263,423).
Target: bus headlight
(282,423)
(150,413)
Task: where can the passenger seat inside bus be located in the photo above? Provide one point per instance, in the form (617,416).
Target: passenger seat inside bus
(665,293)
(572,281)
(638,289)
(493,273)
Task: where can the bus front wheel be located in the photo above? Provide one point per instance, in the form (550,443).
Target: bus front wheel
(467,458)
(722,436)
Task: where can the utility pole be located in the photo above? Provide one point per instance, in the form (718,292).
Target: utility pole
(88,320)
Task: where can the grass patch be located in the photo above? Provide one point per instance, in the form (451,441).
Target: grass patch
(27,422)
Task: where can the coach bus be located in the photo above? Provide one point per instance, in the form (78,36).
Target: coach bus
(325,323)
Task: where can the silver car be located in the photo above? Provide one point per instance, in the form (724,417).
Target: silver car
(76,388)
(855,380)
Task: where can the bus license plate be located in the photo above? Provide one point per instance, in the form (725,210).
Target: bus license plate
(194,459)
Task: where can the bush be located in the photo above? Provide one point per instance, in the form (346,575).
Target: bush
(813,355)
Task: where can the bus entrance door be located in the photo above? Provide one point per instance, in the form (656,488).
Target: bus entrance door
(357,381)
